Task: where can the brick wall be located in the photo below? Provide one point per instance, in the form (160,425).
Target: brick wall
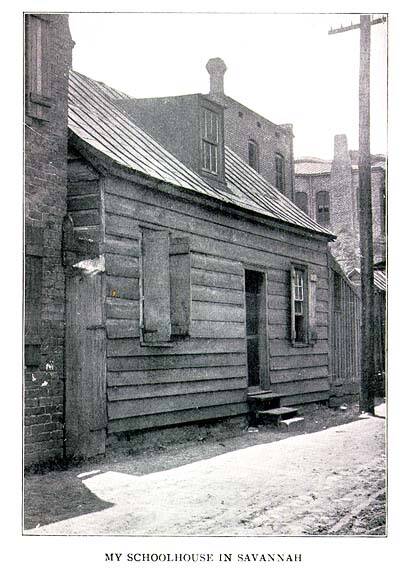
(45,207)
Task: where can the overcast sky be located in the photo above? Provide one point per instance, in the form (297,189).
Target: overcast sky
(284,66)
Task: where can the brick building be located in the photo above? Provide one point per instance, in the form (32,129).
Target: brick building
(328,192)
(48,46)
(265,146)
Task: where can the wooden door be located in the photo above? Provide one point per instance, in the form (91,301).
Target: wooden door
(256,335)
(85,348)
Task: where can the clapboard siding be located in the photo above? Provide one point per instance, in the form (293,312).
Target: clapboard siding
(175,361)
(130,347)
(122,309)
(117,393)
(176,418)
(128,408)
(203,375)
(174,375)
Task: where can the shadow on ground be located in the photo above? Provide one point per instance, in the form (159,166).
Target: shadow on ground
(56,497)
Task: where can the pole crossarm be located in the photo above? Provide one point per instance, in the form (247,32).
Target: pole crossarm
(380,20)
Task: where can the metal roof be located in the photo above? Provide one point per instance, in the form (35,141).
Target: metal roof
(94,118)
(311,165)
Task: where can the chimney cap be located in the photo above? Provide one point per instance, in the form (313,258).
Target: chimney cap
(216,65)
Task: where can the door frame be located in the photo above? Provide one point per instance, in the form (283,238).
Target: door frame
(264,372)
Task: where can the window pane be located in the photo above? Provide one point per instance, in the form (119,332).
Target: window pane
(253,155)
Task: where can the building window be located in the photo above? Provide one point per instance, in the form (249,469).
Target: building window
(280,173)
(322,207)
(337,291)
(299,305)
(253,153)
(210,141)
(301,200)
(38,89)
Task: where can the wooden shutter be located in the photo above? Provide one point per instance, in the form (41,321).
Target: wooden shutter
(156,286)
(180,286)
(38,76)
(312,285)
(292,304)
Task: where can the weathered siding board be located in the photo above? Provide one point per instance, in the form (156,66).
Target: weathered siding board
(174,375)
(175,361)
(118,393)
(285,348)
(122,265)
(122,309)
(218,280)
(210,329)
(128,408)
(302,387)
(217,295)
(280,376)
(130,347)
(211,312)
(176,418)
(210,263)
(124,246)
(291,362)
(122,287)
(123,328)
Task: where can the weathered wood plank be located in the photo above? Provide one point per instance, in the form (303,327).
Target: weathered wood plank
(122,309)
(280,348)
(174,389)
(294,375)
(211,312)
(300,360)
(90,233)
(122,328)
(85,218)
(228,296)
(282,332)
(220,265)
(210,329)
(122,246)
(83,203)
(83,187)
(122,287)
(129,408)
(137,377)
(214,279)
(280,316)
(302,387)
(176,418)
(78,170)
(130,347)
(121,265)
(121,226)
(304,398)
(163,362)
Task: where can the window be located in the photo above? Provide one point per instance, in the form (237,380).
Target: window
(253,155)
(299,305)
(38,90)
(280,173)
(301,200)
(166,287)
(322,207)
(337,291)
(210,141)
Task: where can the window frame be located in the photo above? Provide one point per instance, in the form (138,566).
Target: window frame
(295,267)
(38,72)
(210,142)
(301,194)
(323,209)
(280,172)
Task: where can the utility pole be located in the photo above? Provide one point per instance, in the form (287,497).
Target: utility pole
(367,393)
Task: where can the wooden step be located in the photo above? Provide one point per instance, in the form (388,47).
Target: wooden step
(262,397)
(277,414)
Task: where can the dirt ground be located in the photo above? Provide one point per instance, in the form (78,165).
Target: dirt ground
(63,494)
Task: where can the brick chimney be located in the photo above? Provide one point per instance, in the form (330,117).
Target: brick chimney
(216,68)
(344,206)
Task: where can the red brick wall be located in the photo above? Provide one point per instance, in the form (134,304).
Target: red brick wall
(45,207)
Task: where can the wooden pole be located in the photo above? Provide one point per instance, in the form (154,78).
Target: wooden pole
(367,399)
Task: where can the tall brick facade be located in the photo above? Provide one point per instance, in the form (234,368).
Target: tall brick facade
(339,180)
(48,60)
(243,125)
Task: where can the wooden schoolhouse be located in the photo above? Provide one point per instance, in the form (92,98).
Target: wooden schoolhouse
(192,294)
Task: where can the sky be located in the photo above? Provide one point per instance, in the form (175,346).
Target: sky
(284,66)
